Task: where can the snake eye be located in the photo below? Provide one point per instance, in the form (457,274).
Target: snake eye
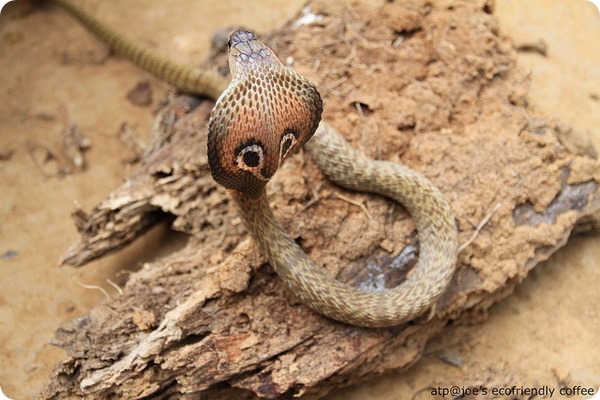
(288,139)
(250,157)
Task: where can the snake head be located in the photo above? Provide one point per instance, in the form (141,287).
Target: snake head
(267,112)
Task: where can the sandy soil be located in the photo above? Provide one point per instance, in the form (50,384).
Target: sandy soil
(545,334)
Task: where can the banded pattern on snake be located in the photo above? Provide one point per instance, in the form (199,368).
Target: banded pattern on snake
(266,113)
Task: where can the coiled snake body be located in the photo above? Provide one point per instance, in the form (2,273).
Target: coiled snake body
(266,113)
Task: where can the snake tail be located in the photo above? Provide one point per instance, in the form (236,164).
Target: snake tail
(184,78)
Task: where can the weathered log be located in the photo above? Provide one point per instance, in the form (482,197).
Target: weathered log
(434,87)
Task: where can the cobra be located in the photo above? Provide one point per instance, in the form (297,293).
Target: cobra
(268,112)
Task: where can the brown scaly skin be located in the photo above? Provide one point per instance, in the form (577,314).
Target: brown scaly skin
(266,113)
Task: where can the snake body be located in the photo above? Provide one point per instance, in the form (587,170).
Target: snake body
(266,113)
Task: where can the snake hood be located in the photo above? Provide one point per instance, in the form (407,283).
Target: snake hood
(267,112)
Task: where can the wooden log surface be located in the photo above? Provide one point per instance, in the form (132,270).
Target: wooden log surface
(432,86)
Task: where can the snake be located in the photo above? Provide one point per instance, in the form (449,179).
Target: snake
(262,116)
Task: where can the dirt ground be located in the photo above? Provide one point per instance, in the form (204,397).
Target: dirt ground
(544,334)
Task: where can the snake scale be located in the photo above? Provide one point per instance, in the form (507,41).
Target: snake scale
(266,113)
